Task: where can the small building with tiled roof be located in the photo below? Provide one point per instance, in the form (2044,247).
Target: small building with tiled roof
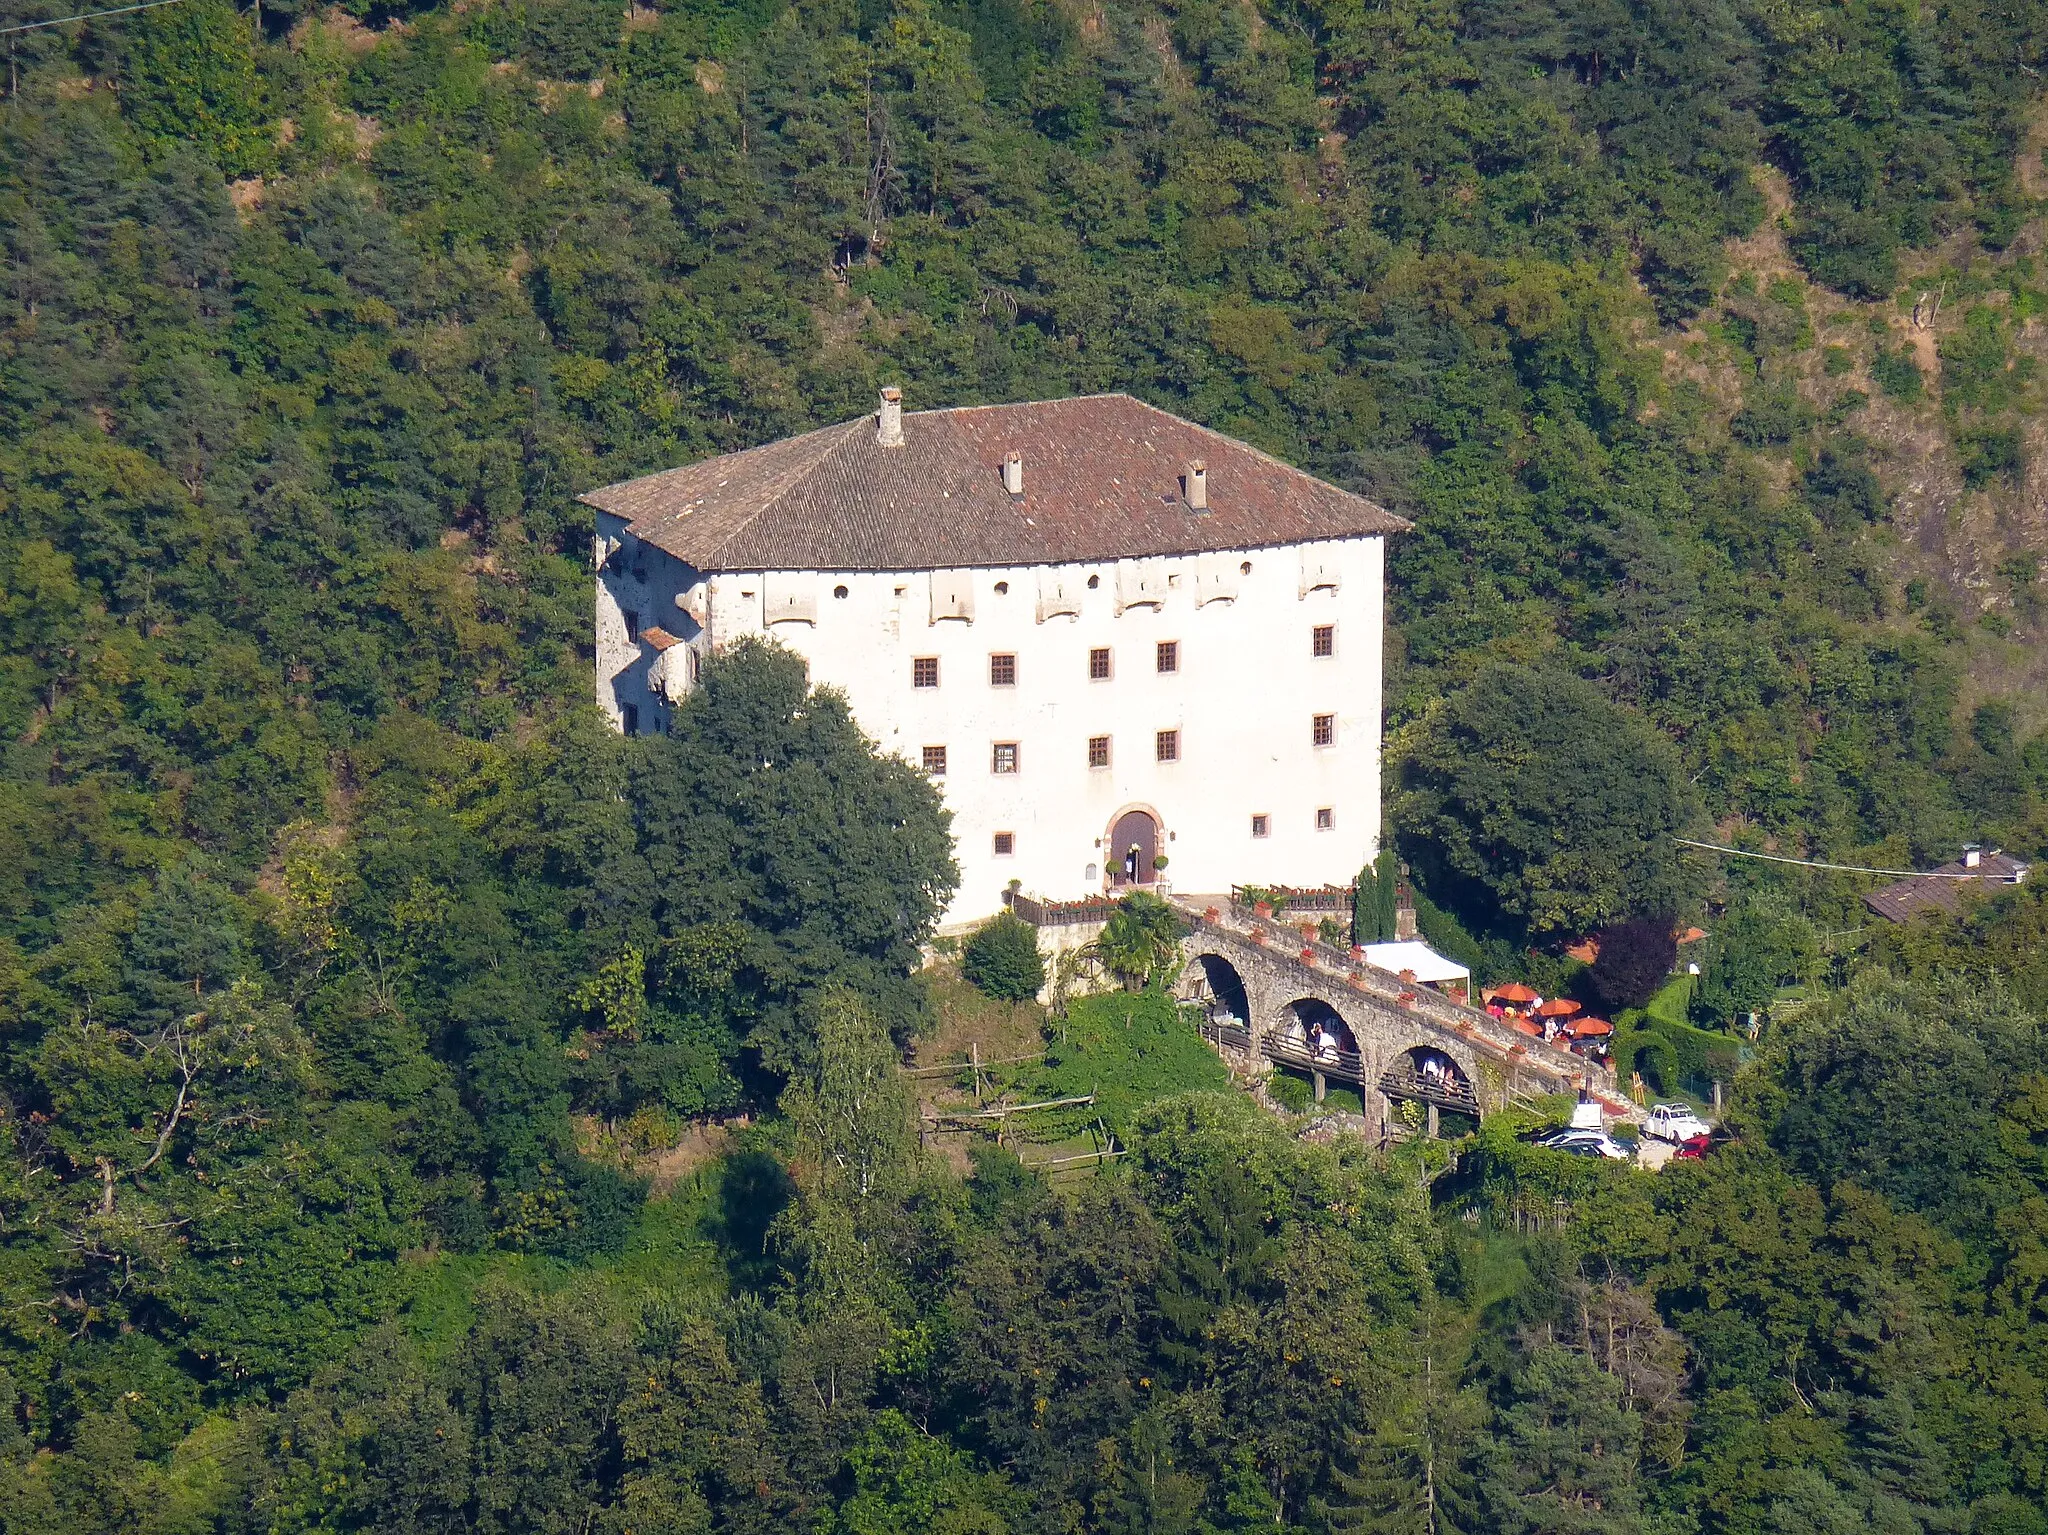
(1947,889)
(1128,648)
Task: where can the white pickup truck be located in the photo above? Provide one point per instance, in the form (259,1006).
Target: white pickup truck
(1675,1122)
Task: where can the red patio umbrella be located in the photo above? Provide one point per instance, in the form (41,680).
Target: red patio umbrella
(1557,1007)
(1524,1026)
(1514,991)
(1591,1028)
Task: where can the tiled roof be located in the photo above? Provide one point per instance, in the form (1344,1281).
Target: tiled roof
(1102,481)
(1944,889)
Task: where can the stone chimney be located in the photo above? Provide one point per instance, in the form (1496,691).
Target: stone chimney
(1196,484)
(889,419)
(1013,473)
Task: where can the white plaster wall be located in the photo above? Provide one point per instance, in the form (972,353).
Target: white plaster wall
(645,582)
(1243,700)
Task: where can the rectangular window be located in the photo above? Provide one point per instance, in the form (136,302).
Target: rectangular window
(631,719)
(1169,655)
(935,761)
(1004,758)
(1326,730)
(1325,818)
(1166,746)
(1324,641)
(632,618)
(1261,826)
(924,671)
(1002,671)
(1098,664)
(1098,751)
(1005,843)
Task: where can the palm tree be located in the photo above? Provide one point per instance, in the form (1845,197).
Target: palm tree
(1140,943)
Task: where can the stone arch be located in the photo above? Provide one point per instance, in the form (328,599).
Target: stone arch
(1431,1076)
(1215,982)
(1430,1060)
(1295,1020)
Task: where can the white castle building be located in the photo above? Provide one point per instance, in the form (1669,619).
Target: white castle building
(1127,648)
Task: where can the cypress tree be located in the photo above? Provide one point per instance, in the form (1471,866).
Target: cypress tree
(1386,895)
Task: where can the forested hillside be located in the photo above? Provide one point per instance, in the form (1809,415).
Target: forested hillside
(355,982)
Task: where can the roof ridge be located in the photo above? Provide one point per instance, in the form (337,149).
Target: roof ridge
(1057,399)
(1255,450)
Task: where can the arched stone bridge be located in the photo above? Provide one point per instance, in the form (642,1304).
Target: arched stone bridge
(1268,987)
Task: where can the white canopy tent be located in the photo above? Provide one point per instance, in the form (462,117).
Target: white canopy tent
(1428,966)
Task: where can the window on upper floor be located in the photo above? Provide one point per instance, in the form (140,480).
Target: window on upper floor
(1262,826)
(1166,746)
(1325,818)
(1098,664)
(1003,758)
(1326,730)
(1005,843)
(935,761)
(1098,751)
(632,618)
(1323,640)
(1002,671)
(1169,655)
(924,671)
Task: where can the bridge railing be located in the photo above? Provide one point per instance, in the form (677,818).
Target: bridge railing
(1326,899)
(1445,1092)
(1344,1065)
(1230,1036)
(1044,913)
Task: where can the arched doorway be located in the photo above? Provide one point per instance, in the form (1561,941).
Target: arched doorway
(1133,849)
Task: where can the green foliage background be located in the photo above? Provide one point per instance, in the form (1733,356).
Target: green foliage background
(347,964)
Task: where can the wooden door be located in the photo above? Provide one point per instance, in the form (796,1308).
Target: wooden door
(1133,846)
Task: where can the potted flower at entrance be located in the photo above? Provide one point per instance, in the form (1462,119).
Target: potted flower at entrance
(1308,954)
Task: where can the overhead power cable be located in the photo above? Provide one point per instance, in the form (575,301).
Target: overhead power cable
(1842,868)
(58,21)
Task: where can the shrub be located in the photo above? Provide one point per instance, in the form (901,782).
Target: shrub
(1291,1093)
(1988,453)
(1896,373)
(1002,960)
(1851,250)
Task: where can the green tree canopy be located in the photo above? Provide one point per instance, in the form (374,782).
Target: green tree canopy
(766,806)
(1530,802)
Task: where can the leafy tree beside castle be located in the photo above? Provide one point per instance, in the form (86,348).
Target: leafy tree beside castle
(1534,805)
